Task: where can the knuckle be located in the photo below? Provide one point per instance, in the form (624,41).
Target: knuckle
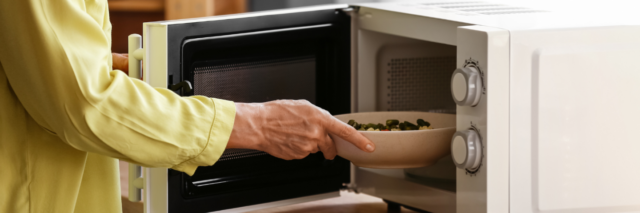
(344,132)
(304,101)
(331,156)
(301,102)
(318,136)
(312,149)
(325,112)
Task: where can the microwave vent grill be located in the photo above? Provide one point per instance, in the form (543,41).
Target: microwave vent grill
(470,6)
(257,81)
(512,12)
(473,8)
(451,3)
(494,9)
(419,84)
(234,154)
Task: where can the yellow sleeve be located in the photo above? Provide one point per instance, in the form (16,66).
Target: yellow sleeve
(56,55)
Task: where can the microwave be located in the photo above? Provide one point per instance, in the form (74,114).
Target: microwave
(545,102)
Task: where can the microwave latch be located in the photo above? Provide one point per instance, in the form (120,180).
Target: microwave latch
(184,85)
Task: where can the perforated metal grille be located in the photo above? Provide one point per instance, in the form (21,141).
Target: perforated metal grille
(233,154)
(258,81)
(449,3)
(470,8)
(420,84)
(510,12)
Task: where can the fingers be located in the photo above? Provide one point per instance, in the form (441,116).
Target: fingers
(348,133)
(328,148)
(120,61)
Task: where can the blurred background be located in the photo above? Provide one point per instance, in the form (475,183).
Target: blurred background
(127,16)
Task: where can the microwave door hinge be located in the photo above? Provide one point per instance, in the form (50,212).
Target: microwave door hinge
(136,182)
(136,55)
(352,186)
(353,12)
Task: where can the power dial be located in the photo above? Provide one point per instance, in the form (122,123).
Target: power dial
(466,149)
(466,86)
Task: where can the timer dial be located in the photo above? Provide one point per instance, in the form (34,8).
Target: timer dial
(466,149)
(466,86)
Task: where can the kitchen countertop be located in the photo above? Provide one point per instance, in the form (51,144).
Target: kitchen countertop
(348,202)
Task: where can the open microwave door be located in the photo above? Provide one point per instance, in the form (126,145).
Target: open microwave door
(254,57)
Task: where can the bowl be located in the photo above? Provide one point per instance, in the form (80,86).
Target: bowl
(400,149)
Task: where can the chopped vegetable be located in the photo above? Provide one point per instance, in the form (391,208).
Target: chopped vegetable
(422,123)
(410,126)
(357,126)
(391,125)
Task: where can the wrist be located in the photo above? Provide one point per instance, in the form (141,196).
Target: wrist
(245,133)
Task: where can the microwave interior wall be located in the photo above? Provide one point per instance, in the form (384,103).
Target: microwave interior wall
(397,73)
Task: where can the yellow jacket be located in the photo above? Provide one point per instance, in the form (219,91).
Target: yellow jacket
(65,115)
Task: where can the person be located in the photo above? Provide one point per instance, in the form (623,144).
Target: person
(66,115)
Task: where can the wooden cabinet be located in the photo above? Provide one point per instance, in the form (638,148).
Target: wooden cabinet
(127,16)
(181,9)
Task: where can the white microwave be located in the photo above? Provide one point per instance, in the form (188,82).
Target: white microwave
(546,103)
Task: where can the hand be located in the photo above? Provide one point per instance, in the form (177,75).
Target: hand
(120,62)
(291,129)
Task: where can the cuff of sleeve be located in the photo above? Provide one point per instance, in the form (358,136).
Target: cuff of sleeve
(223,119)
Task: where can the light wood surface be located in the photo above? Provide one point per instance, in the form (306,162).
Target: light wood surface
(348,202)
(136,5)
(127,16)
(181,9)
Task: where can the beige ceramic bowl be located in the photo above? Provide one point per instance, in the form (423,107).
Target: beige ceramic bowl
(400,149)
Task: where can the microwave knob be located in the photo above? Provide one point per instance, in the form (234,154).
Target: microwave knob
(466,150)
(466,86)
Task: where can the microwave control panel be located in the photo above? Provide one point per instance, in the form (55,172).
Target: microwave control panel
(480,148)
(467,87)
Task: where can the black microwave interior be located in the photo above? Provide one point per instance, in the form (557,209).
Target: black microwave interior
(308,60)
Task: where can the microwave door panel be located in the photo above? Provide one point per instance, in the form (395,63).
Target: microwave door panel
(575,117)
(254,57)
